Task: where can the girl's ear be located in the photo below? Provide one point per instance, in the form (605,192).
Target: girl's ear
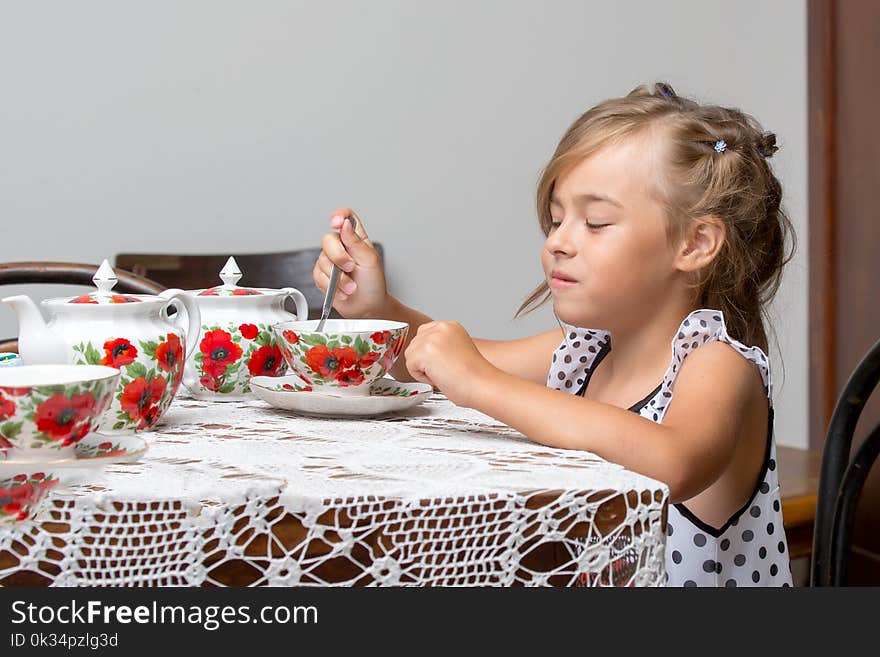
(702,241)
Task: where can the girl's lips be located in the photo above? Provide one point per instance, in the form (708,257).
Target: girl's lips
(561,283)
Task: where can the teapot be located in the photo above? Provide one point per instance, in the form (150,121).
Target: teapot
(135,333)
(236,341)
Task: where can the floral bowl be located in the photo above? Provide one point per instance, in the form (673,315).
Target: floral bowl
(45,410)
(346,357)
(23,490)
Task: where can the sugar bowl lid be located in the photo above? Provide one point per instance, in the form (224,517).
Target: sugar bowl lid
(105,279)
(230,275)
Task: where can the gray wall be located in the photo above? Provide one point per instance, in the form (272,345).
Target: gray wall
(237,126)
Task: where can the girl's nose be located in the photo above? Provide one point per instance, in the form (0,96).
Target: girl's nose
(559,241)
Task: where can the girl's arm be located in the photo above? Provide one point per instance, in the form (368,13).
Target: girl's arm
(715,390)
(526,358)
(363,293)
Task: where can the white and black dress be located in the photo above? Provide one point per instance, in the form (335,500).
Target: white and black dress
(747,550)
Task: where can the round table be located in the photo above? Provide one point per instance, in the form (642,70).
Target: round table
(239,493)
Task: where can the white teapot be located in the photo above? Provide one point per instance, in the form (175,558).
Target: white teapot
(236,340)
(132,332)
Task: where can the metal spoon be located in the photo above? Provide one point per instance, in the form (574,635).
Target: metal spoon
(331,288)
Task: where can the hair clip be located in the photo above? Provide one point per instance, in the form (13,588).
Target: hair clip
(720,146)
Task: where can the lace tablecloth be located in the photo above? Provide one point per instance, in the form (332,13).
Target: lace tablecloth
(243,494)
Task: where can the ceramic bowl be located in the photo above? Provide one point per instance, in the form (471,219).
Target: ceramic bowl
(346,357)
(45,410)
(23,490)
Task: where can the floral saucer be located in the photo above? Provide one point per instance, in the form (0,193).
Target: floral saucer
(293,394)
(95,450)
(24,484)
(123,448)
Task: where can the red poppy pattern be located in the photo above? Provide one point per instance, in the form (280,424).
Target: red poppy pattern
(140,399)
(229,355)
(112,299)
(169,354)
(20,495)
(352,377)
(248,331)
(105,449)
(53,416)
(66,420)
(119,352)
(391,355)
(330,364)
(381,337)
(219,352)
(151,372)
(341,360)
(287,387)
(223,291)
(266,361)
(210,383)
(7,408)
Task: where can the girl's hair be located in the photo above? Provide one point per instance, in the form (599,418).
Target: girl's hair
(716,164)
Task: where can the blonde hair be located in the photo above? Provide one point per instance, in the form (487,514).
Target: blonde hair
(734,183)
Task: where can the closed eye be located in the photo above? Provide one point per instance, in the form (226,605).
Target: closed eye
(593,226)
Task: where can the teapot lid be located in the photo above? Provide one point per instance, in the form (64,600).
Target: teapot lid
(230,274)
(105,279)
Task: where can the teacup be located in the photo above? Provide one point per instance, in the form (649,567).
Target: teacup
(45,410)
(344,358)
(23,492)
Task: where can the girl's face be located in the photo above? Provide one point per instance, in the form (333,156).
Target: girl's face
(607,259)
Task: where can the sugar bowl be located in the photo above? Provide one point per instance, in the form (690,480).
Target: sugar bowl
(236,340)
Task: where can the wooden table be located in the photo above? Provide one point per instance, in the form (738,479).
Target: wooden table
(243,494)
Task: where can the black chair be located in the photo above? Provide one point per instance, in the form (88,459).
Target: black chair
(68,273)
(272,270)
(841,478)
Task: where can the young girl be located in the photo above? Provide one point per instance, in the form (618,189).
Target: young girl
(663,225)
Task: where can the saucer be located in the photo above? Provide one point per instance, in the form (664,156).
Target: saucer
(291,393)
(95,450)
(124,448)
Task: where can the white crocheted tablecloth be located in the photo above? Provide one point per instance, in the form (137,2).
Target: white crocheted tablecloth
(244,494)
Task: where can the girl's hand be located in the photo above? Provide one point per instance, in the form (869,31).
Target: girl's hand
(444,355)
(362,291)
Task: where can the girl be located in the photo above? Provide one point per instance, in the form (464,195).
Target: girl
(663,223)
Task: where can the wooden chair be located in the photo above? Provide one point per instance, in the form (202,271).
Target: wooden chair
(842,477)
(272,270)
(67,273)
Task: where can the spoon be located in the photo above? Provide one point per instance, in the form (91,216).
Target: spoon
(331,288)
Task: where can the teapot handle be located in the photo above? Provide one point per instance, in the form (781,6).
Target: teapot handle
(183,301)
(302,306)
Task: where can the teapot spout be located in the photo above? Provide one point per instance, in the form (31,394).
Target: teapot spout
(37,343)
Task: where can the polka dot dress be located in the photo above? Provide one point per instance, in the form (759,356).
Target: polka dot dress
(750,548)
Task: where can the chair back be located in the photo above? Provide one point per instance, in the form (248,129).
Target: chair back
(270,270)
(68,273)
(842,478)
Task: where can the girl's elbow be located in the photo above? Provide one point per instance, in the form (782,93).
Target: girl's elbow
(683,487)
(690,475)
